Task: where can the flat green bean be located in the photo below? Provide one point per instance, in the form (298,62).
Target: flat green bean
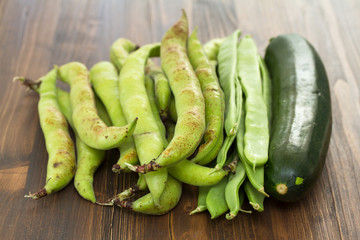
(256,138)
(215,199)
(227,62)
(266,87)
(256,199)
(232,190)
(255,176)
(203,191)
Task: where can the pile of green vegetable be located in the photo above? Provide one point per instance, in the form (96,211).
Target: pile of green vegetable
(210,116)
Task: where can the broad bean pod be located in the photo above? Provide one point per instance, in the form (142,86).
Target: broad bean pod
(105,81)
(88,159)
(135,103)
(61,164)
(197,175)
(146,205)
(213,96)
(120,50)
(91,129)
(162,89)
(189,100)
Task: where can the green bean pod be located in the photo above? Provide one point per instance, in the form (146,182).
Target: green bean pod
(213,96)
(91,129)
(146,205)
(256,138)
(221,158)
(227,59)
(149,86)
(232,190)
(162,89)
(189,100)
(215,199)
(266,87)
(120,50)
(135,103)
(59,145)
(105,81)
(256,199)
(88,159)
(201,206)
(197,175)
(255,176)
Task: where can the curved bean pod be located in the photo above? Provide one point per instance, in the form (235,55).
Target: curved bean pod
(212,47)
(256,138)
(197,175)
(227,59)
(189,100)
(172,109)
(215,151)
(162,89)
(59,145)
(213,96)
(88,159)
(120,50)
(105,81)
(145,204)
(91,129)
(149,86)
(135,103)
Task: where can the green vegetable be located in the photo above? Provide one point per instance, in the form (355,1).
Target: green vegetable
(301,125)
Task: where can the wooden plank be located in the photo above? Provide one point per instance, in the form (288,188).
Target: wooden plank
(37,34)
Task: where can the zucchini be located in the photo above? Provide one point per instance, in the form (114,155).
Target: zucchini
(301,124)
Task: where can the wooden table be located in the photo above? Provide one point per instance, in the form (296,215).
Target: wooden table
(35,35)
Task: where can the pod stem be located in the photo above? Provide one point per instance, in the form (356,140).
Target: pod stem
(198,209)
(148,167)
(40,194)
(126,194)
(231,167)
(28,83)
(116,168)
(261,190)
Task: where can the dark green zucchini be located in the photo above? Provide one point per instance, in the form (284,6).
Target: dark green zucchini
(301,124)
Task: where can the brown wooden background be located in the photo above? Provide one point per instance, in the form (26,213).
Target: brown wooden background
(35,35)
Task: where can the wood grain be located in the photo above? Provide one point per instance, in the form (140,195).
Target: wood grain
(36,34)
